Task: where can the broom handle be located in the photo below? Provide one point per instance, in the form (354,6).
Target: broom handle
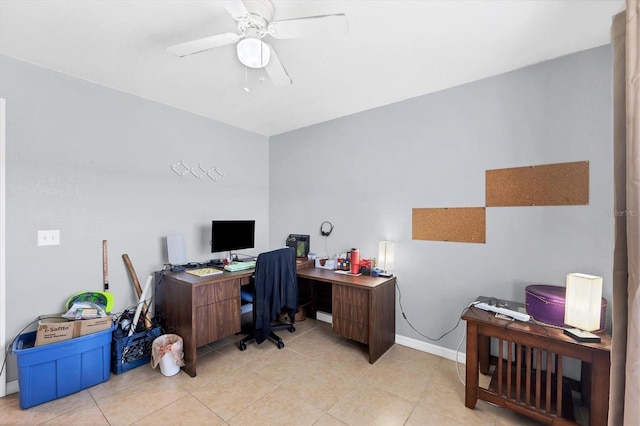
(136,285)
(132,272)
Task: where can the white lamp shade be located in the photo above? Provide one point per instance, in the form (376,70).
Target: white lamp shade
(385,255)
(253,53)
(583,301)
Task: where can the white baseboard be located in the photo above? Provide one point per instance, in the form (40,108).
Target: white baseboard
(12,387)
(324,317)
(431,349)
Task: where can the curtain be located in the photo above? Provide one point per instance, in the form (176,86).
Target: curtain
(624,408)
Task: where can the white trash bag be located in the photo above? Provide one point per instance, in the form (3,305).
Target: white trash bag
(167,352)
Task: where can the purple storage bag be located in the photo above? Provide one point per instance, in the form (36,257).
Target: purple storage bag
(545,303)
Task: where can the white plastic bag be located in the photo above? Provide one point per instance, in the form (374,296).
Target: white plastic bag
(84,310)
(167,351)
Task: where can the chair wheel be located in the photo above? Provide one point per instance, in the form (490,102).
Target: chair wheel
(242,346)
(292,329)
(280,344)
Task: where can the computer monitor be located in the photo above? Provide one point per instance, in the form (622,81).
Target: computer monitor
(229,235)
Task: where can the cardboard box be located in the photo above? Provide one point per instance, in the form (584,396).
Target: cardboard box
(59,329)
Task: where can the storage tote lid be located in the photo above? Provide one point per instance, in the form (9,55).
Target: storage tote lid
(548,293)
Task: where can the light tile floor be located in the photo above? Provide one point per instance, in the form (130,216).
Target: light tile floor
(316,379)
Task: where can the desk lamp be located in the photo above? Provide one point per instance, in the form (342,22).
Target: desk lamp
(385,258)
(583,303)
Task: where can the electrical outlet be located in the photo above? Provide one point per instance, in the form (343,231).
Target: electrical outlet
(49,237)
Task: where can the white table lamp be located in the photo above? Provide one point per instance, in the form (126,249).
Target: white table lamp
(385,258)
(583,304)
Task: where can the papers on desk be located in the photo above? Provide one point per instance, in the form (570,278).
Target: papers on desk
(204,272)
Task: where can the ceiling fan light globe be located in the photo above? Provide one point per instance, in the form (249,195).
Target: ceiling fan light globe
(253,53)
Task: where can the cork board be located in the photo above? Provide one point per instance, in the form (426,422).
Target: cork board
(457,224)
(546,185)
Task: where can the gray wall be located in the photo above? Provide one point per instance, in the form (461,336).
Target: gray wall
(366,172)
(95,164)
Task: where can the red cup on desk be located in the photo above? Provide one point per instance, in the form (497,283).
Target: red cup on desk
(355,261)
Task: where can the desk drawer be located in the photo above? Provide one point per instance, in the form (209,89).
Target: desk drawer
(351,303)
(350,311)
(217,320)
(216,292)
(351,329)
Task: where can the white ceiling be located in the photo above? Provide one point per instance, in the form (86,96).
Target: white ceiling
(395,50)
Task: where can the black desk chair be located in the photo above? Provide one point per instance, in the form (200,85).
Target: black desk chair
(275,289)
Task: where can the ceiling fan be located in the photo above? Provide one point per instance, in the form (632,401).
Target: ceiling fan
(255,21)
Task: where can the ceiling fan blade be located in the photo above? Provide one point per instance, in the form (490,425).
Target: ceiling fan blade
(203,44)
(236,9)
(312,26)
(276,70)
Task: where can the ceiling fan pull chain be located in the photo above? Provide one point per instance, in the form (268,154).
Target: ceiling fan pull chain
(246,80)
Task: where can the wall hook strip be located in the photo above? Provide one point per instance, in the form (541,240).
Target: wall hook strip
(181,168)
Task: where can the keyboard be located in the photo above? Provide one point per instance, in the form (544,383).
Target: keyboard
(240,266)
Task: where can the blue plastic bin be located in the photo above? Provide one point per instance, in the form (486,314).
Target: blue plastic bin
(52,371)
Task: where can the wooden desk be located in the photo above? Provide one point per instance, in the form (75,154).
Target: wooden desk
(363,308)
(202,310)
(519,381)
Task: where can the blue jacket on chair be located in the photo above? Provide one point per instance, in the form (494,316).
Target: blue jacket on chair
(276,288)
